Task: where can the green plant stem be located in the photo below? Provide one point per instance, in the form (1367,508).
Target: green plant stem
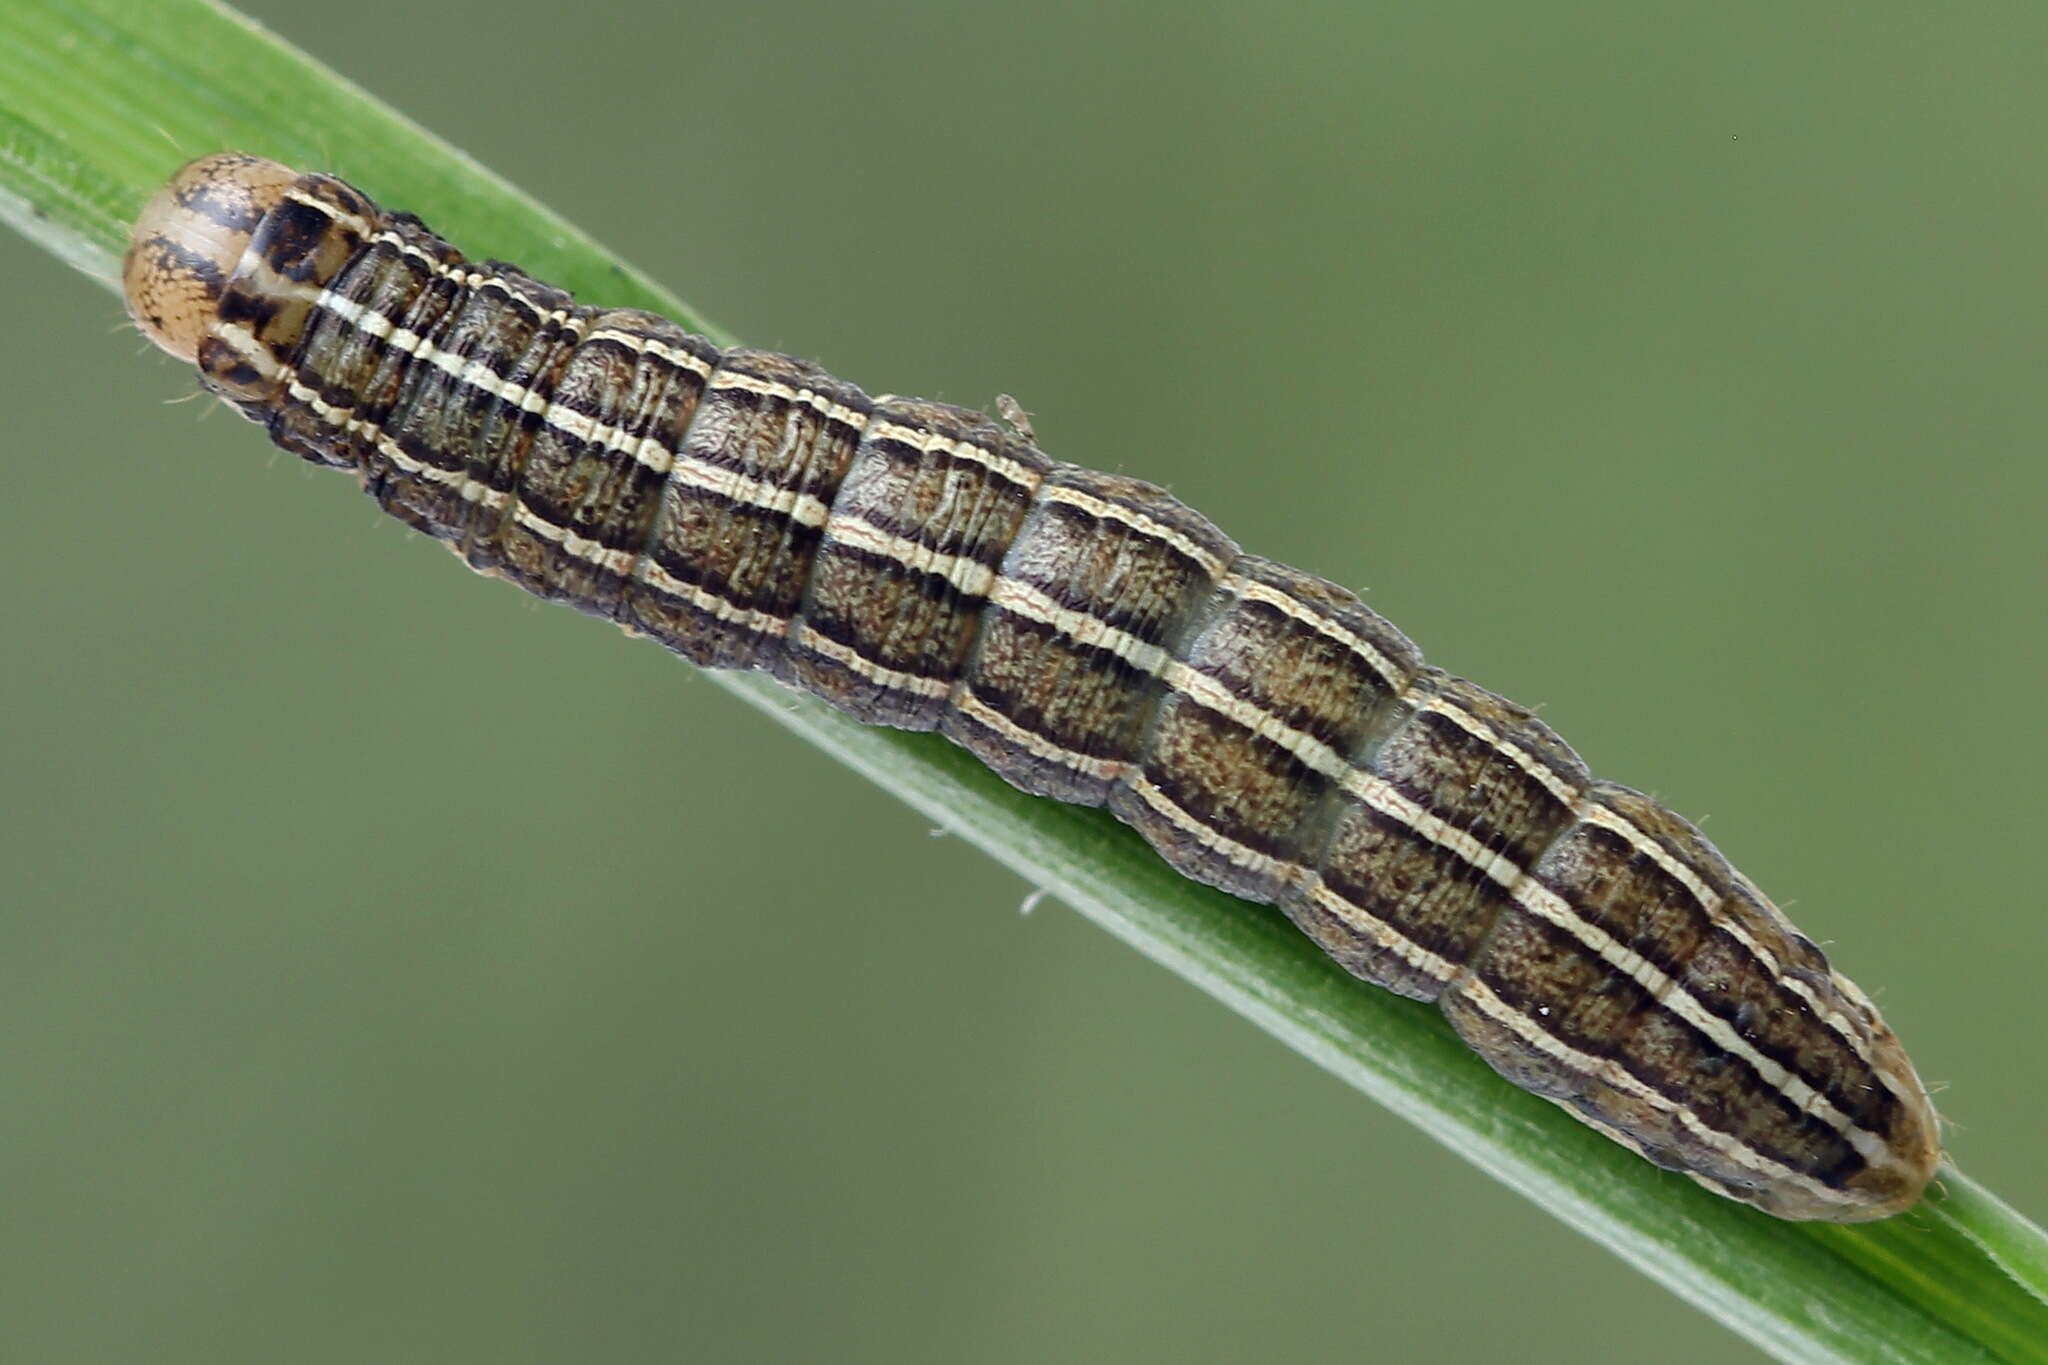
(101,99)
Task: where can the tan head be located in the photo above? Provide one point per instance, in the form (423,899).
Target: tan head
(187,242)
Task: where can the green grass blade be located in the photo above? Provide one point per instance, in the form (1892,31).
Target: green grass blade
(100,99)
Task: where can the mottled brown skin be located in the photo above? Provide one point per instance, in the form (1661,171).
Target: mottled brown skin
(1085,634)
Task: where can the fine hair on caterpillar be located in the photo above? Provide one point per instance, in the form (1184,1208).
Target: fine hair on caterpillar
(1086,635)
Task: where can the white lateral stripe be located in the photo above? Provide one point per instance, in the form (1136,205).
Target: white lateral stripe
(654,346)
(1373,791)
(583,548)
(970,704)
(1253,591)
(624,564)
(1638,839)
(1086,628)
(1480,730)
(1648,846)
(922,438)
(1105,510)
(967,576)
(1490,1004)
(915,683)
(1514,1020)
(761,622)
(739,381)
(1382,796)
(1388,936)
(1284,870)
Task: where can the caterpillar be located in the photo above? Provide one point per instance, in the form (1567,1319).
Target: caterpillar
(1086,635)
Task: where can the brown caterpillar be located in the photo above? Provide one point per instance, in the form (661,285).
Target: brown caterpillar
(1086,635)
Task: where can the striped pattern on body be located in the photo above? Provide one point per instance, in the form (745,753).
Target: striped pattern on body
(1086,635)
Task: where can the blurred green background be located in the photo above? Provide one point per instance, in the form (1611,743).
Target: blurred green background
(396,968)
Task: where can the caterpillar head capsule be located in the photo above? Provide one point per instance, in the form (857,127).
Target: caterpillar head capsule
(227,265)
(189,241)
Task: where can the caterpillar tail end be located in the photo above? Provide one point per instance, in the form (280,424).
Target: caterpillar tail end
(188,240)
